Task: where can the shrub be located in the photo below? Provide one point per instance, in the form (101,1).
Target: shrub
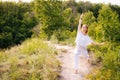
(32,60)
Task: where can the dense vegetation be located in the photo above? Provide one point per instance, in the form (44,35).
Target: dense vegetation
(16,22)
(58,22)
(32,60)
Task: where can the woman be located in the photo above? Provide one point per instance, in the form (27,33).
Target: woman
(82,41)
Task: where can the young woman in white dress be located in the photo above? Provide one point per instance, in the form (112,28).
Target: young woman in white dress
(82,41)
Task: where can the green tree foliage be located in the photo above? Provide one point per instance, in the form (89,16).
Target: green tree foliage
(50,15)
(95,9)
(16,22)
(106,28)
(116,8)
(108,22)
(84,6)
(88,18)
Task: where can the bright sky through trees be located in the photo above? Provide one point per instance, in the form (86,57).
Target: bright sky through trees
(115,2)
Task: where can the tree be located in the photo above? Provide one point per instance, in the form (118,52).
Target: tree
(116,8)
(108,22)
(50,16)
(16,22)
(88,18)
(84,6)
(95,9)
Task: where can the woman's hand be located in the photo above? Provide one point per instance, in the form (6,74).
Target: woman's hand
(99,44)
(81,16)
(102,43)
(80,20)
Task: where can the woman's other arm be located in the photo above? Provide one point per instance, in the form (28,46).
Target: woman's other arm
(99,44)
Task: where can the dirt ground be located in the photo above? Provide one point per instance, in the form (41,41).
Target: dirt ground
(66,57)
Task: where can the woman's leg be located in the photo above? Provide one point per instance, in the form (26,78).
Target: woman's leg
(87,55)
(76,61)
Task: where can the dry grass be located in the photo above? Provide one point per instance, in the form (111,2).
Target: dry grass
(32,60)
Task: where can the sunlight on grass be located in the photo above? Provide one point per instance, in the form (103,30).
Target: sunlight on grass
(32,60)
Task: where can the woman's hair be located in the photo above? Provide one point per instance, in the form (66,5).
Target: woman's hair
(85,26)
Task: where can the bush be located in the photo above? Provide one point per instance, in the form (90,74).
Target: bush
(17,20)
(64,37)
(32,60)
(110,63)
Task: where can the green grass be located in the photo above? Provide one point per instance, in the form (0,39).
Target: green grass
(109,56)
(32,60)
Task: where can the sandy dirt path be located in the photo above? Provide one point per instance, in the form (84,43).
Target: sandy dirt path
(66,58)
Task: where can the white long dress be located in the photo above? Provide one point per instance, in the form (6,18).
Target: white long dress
(82,41)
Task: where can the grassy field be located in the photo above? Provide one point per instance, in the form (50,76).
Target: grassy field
(32,60)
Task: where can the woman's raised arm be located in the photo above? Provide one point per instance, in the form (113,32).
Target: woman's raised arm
(80,22)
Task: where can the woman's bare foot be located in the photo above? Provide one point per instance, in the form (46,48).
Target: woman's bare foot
(76,71)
